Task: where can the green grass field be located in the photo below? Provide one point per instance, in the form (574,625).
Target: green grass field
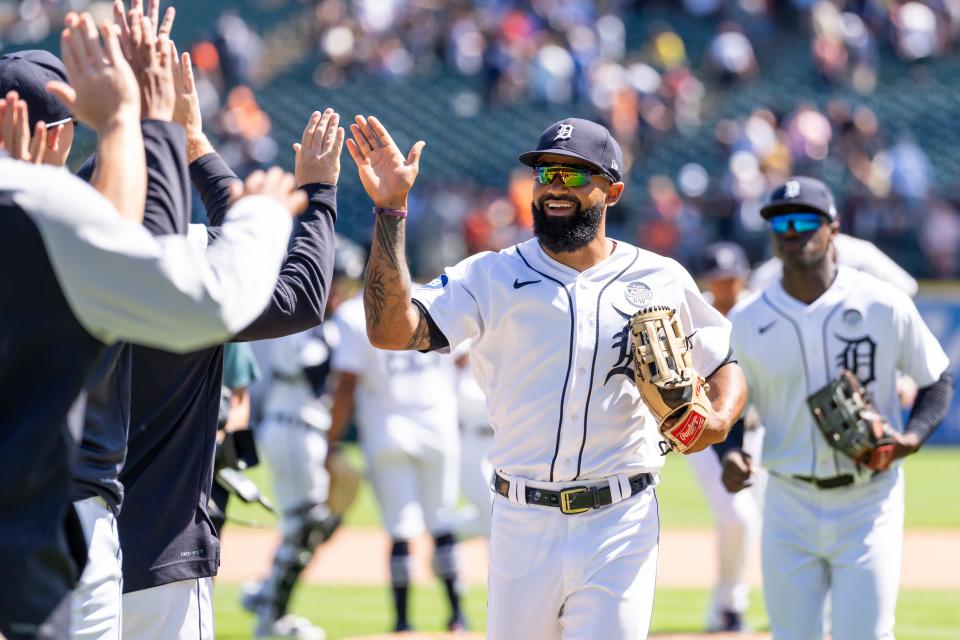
(346,611)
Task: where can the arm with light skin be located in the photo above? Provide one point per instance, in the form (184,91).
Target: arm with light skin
(728,396)
(343,404)
(238,417)
(393,321)
(103,93)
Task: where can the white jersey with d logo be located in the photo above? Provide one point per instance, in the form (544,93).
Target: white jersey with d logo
(551,350)
(829,523)
(552,353)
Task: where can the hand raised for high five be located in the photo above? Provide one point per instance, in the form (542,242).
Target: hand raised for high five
(15,131)
(318,152)
(386,175)
(149,50)
(103,89)
(277,184)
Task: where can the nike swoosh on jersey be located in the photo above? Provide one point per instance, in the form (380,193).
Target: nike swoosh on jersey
(767,327)
(517,284)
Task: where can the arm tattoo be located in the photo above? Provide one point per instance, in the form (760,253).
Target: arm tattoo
(390,239)
(421,339)
(374,296)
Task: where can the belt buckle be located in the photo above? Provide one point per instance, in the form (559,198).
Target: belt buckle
(566,499)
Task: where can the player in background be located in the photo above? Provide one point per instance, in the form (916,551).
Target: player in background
(723,276)
(575,526)
(95,277)
(405,408)
(292,438)
(476,436)
(828,522)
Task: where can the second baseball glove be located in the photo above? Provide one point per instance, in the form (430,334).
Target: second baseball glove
(848,419)
(663,370)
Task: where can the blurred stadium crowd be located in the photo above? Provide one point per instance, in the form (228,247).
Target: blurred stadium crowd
(624,63)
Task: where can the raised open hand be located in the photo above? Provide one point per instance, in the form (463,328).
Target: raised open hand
(279,185)
(103,88)
(186,113)
(386,175)
(15,131)
(318,152)
(127,23)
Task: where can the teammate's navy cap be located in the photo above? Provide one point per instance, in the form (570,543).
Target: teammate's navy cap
(800,194)
(583,139)
(724,260)
(27,73)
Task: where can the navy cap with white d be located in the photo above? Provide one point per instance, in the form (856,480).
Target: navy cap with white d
(27,73)
(801,194)
(582,139)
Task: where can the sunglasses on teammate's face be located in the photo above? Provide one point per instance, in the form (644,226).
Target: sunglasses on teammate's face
(799,222)
(570,175)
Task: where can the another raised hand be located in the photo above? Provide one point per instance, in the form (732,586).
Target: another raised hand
(150,52)
(103,89)
(318,152)
(15,131)
(279,185)
(385,173)
(186,113)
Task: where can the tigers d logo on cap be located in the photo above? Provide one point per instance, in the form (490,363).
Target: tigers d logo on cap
(565,132)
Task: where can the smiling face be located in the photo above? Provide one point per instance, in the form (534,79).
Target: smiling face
(566,218)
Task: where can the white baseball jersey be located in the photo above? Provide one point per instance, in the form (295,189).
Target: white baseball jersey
(290,393)
(788,350)
(552,353)
(856,253)
(406,400)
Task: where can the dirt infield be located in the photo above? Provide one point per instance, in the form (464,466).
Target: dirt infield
(687,560)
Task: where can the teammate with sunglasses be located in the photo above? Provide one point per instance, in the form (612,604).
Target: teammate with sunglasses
(575,525)
(828,522)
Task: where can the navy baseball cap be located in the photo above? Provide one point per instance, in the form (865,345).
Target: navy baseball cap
(583,139)
(724,260)
(27,73)
(801,194)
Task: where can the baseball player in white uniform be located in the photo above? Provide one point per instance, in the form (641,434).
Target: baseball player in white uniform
(574,536)
(292,438)
(405,407)
(829,523)
(476,436)
(723,275)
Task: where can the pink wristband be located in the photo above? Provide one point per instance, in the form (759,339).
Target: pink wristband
(396,213)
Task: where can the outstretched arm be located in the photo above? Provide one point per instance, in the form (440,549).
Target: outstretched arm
(300,297)
(393,321)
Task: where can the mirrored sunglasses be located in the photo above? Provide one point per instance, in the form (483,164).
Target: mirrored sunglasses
(801,222)
(570,176)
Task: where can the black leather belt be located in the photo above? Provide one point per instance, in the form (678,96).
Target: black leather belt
(828,483)
(573,499)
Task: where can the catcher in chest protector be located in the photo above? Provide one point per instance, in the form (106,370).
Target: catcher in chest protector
(822,348)
(580,388)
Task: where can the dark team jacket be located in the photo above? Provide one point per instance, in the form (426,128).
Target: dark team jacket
(165,531)
(102,450)
(45,356)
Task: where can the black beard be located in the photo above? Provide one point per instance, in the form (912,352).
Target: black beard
(566,234)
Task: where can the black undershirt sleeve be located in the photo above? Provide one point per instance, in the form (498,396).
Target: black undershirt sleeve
(213,178)
(734,440)
(930,407)
(437,339)
(300,297)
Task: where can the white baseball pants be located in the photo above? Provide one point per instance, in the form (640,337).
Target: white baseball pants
(415,492)
(475,475)
(176,611)
(297,454)
(573,577)
(848,541)
(95,604)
